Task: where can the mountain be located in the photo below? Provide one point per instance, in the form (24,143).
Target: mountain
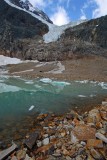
(28,33)
(25,4)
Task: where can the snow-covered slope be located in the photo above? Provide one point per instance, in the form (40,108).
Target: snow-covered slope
(54,31)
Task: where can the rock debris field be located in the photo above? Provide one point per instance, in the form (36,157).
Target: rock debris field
(64,137)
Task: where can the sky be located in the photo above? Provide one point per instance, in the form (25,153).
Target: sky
(64,11)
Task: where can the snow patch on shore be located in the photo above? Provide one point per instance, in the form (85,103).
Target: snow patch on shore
(7,60)
(60,69)
(30,70)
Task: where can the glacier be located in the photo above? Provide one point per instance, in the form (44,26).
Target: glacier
(54,31)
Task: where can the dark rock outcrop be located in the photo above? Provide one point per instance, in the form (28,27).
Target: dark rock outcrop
(17,25)
(28,6)
(93,31)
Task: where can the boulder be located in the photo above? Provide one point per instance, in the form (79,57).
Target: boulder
(94,143)
(32,139)
(84,132)
(101,137)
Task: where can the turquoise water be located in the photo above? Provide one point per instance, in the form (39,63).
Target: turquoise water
(20,97)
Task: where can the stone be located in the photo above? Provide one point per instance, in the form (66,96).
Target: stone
(78,158)
(104,103)
(39,143)
(103,115)
(94,116)
(94,143)
(42,117)
(31,141)
(99,125)
(68,158)
(57,155)
(73,138)
(76,121)
(72,152)
(65,152)
(47,149)
(58,151)
(63,133)
(14,158)
(83,143)
(21,154)
(45,135)
(96,155)
(8,151)
(84,132)
(29,158)
(52,137)
(59,144)
(101,137)
(45,141)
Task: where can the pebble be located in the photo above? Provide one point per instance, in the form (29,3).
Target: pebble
(14,158)
(101,137)
(96,155)
(39,143)
(21,154)
(68,158)
(57,155)
(45,141)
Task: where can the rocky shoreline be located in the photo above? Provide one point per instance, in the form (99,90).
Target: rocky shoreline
(64,137)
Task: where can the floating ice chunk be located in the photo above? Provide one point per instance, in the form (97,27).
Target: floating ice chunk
(92,95)
(103,85)
(29,82)
(82,96)
(8,88)
(31,108)
(46,80)
(84,81)
(60,83)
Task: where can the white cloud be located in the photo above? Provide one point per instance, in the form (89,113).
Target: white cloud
(83,15)
(38,3)
(101,9)
(60,17)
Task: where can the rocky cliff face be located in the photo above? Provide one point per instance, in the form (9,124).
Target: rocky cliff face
(93,31)
(89,38)
(17,25)
(21,35)
(25,4)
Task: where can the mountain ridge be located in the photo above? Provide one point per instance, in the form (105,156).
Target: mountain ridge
(30,37)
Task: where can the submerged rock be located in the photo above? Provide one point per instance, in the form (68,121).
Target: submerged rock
(31,141)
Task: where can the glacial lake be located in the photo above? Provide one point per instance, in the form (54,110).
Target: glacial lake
(20,97)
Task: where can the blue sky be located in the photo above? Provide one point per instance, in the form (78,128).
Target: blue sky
(63,11)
